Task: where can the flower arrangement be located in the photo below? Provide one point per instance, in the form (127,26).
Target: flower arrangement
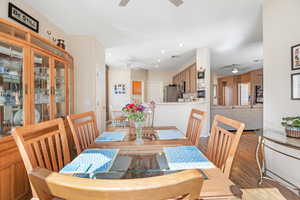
(291,122)
(135,112)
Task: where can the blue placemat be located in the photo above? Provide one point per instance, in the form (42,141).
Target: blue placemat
(170,134)
(110,137)
(186,157)
(91,160)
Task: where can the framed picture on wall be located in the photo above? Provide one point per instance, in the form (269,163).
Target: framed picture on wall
(119,89)
(295,57)
(295,86)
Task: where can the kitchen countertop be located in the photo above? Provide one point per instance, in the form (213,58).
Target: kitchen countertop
(181,103)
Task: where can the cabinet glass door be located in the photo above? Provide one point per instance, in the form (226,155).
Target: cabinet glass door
(11,87)
(60,89)
(42,87)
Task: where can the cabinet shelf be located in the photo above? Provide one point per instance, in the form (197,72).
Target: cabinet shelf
(11,105)
(9,78)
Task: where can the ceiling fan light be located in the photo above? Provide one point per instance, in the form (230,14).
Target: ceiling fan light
(123,3)
(176,3)
(235,70)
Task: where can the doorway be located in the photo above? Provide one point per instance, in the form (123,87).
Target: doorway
(137,94)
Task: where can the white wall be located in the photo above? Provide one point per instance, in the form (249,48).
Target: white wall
(203,62)
(44,23)
(177,114)
(89,76)
(281,31)
(165,76)
(157,79)
(119,76)
(101,104)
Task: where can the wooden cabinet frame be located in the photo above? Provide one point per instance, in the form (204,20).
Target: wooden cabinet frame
(14,182)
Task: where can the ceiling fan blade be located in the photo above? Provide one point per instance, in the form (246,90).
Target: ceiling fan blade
(123,3)
(177,3)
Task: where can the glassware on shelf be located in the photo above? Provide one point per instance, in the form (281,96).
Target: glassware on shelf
(42,86)
(60,88)
(11,85)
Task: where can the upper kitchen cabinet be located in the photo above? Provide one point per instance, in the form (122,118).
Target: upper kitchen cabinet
(187,78)
(193,78)
(36,78)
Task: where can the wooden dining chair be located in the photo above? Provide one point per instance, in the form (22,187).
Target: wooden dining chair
(195,125)
(84,129)
(150,113)
(43,145)
(186,184)
(223,144)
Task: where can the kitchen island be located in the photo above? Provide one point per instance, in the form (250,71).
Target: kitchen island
(178,113)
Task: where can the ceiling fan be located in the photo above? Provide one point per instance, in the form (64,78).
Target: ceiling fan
(234,69)
(176,3)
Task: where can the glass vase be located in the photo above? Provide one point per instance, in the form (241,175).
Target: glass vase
(138,133)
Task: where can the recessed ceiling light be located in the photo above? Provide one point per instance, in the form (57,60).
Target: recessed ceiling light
(181,44)
(158,60)
(163,51)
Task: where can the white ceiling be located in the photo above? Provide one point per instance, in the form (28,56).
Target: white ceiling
(136,34)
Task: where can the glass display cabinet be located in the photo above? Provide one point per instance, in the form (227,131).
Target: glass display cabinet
(36,85)
(34,80)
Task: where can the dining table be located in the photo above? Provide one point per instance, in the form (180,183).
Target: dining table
(164,150)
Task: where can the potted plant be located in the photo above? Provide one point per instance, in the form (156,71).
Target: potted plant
(292,126)
(135,112)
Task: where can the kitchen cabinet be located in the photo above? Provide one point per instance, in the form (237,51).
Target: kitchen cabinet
(193,78)
(228,87)
(187,80)
(189,76)
(36,84)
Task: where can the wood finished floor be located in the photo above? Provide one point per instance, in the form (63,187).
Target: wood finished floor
(245,171)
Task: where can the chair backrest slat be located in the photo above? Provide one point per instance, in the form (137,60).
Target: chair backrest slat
(223,144)
(84,129)
(38,154)
(43,145)
(46,155)
(55,165)
(195,124)
(182,185)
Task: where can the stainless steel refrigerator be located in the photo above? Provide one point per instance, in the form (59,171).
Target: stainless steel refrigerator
(171,93)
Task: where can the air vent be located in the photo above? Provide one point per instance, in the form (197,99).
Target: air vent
(175,56)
